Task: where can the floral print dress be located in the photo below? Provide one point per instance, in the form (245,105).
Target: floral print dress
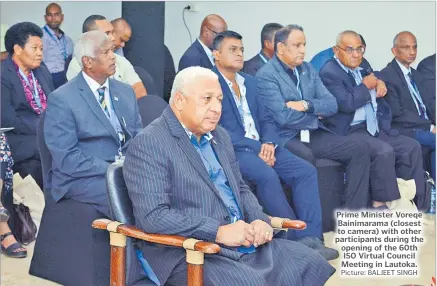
(6,163)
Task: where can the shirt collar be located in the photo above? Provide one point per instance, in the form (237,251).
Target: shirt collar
(404,70)
(207,50)
(238,78)
(94,85)
(208,136)
(263,56)
(53,32)
(346,69)
(296,70)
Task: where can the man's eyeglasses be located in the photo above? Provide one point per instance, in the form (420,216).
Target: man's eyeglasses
(349,50)
(212,30)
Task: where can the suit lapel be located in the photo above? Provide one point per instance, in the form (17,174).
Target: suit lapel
(16,82)
(90,99)
(187,148)
(205,57)
(283,74)
(229,96)
(251,102)
(303,81)
(224,162)
(116,97)
(400,73)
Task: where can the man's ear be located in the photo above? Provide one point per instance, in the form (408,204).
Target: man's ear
(393,51)
(179,101)
(86,61)
(17,50)
(216,55)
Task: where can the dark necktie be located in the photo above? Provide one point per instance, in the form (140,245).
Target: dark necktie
(422,111)
(293,77)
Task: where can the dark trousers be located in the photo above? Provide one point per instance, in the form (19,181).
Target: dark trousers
(393,157)
(427,139)
(59,79)
(31,167)
(295,172)
(354,154)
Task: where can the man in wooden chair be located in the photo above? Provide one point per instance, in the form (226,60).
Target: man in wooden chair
(183,179)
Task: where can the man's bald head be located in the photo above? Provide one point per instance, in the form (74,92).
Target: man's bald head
(53,5)
(405,48)
(211,26)
(122,32)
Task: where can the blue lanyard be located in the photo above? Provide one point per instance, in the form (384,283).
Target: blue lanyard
(63,46)
(263,58)
(35,95)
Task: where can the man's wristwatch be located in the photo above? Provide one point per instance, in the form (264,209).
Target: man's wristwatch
(305,105)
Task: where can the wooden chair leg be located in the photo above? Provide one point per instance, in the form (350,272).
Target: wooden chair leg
(195,275)
(195,260)
(118,255)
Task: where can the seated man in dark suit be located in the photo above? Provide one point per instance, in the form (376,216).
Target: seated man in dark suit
(295,98)
(411,102)
(194,188)
(255,140)
(364,115)
(200,53)
(267,49)
(89,123)
(322,57)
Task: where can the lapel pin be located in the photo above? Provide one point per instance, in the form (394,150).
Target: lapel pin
(116,98)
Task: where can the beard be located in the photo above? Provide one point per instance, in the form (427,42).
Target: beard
(54,25)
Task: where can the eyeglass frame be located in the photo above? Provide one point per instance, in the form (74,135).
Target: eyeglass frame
(350,50)
(212,30)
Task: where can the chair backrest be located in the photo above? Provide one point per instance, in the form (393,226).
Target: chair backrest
(151,107)
(119,200)
(147,80)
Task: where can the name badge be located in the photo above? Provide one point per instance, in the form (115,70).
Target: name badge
(305,136)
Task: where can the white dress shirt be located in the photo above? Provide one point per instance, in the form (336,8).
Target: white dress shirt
(242,105)
(207,51)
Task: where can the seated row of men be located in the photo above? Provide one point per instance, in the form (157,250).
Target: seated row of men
(352,114)
(181,172)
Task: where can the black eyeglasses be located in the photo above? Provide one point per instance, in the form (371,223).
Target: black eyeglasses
(212,30)
(349,50)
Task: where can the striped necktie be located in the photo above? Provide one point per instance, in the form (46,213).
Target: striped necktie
(422,111)
(102,101)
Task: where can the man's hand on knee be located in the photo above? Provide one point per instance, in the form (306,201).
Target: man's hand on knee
(236,234)
(263,232)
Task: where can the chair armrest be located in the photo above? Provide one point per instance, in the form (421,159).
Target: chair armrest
(171,240)
(284,223)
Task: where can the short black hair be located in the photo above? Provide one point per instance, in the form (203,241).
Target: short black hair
(224,35)
(362,40)
(52,5)
(90,23)
(268,31)
(282,34)
(19,34)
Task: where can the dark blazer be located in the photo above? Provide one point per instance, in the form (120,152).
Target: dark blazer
(427,68)
(276,88)
(16,111)
(194,56)
(172,193)
(231,120)
(350,97)
(254,64)
(405,115)
(80,138)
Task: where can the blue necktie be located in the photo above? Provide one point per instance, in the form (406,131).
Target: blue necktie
(102,102)
(422,112)
(371,121)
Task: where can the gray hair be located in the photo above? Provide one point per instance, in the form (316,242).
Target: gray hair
(282,34)
(188,77)
(396,39)
(340,36)
(87,44)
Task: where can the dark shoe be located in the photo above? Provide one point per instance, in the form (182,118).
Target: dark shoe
(317,244)
(11,249)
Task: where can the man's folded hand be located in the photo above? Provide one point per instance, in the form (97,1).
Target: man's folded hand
(236,234)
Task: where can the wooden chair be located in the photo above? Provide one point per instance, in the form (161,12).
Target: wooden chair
(122,232)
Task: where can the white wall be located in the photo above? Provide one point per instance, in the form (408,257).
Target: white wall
(74,13)
(378,22)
